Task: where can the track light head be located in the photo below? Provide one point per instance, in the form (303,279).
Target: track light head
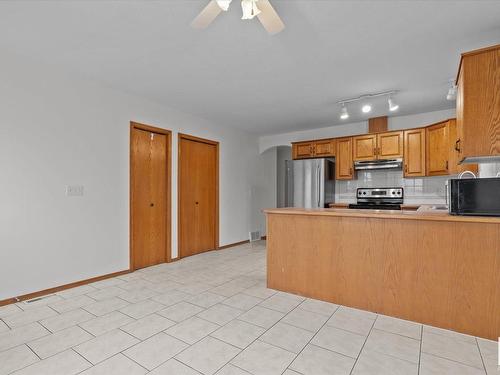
(392,105)
(344,115)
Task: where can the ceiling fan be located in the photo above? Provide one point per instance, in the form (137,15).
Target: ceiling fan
(251,8)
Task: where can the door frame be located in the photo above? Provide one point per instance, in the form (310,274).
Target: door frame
(168,198)
(179,190)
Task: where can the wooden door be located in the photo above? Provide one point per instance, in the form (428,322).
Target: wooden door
(343,159)
(198,193)
(437,149)
(324,148)
(414,153)
(149,196)
(390,145)
(302,150)
(364,147)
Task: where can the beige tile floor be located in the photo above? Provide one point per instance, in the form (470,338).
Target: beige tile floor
(212,314)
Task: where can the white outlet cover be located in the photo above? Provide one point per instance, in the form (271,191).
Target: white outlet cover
(74,190)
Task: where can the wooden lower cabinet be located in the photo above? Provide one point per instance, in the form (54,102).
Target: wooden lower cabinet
(344,168)
(414,153)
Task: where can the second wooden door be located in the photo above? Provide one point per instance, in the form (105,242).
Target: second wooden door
(198,195)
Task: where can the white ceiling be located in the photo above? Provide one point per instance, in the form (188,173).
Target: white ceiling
(235,74)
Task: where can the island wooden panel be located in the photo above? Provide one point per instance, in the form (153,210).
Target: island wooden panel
(445,274)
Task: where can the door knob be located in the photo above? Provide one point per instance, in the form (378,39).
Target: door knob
(151,204)
(196,202)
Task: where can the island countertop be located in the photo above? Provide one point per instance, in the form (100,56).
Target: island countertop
(427,214)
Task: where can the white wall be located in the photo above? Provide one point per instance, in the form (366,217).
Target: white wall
(394,123)
(57,130)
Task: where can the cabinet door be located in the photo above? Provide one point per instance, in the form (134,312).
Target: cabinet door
(324,148)
(302,150)
(414,153)
(390,145)
(437,149)
(343,159)
(364,147)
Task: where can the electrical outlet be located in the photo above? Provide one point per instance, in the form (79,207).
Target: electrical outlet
(74,190)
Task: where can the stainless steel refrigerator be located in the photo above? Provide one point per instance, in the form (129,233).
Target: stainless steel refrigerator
(310,183)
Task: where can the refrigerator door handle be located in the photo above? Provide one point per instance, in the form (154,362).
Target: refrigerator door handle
(319,182)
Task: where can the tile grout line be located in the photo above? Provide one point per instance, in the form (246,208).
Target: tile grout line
(361,350)
(309,342)
(481,355)
(420,349)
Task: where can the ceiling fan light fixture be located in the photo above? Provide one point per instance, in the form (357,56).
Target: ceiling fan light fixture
(249,8)
(344,115)
(223,4)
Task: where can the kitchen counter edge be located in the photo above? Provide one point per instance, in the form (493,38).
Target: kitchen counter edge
(383,214)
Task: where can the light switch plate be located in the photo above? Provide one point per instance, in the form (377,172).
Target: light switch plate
(74,190)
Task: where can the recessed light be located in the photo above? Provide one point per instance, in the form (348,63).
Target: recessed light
(366,108)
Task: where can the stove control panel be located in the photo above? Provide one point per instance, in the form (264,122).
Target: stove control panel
(380,192)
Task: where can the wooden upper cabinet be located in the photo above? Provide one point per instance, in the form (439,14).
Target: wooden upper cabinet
(437,149)
(390,145)
(313,149)
(302,150)
(343,159)
(364,147)
(324,148)
(414,153)
(478,103)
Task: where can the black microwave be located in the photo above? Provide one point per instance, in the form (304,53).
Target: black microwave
(474,196)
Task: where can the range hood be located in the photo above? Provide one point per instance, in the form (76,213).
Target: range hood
(378,164)
(481,159)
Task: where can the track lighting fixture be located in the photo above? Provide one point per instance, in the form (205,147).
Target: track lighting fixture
(344,115)
(367,107)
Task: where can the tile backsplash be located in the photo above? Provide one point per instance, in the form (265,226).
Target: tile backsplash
(416,190)
(425,190)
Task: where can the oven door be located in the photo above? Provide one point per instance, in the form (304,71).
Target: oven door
(480,196)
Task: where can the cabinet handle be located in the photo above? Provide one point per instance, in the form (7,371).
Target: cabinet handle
(457,145)
(350,171)
(446,164)
(406,168)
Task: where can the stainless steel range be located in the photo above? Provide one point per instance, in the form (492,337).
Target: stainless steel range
(379,198)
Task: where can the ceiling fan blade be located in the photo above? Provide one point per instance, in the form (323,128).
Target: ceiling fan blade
(206,16)
(269,18)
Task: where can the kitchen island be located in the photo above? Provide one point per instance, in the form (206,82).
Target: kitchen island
(429,266)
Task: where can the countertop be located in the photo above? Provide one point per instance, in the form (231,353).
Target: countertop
(423,214)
